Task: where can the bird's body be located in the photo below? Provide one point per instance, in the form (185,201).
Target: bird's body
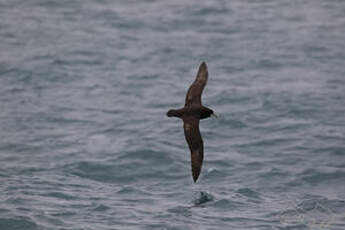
(191,114)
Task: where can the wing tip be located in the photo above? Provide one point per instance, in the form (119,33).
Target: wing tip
(195,178)
(203,65)
(202,72)
(195,173)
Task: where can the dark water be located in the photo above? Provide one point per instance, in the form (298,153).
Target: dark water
(85,143)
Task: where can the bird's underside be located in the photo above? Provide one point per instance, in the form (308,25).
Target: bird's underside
(191,122)
(191,114)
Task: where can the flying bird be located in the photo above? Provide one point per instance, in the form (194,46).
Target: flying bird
(192,112)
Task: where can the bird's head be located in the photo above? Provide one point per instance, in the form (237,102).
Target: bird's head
(206,112)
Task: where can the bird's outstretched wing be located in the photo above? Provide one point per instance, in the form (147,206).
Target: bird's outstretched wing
(195,143)
(195,90)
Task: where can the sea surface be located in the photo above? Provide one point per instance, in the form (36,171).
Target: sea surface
(84,138)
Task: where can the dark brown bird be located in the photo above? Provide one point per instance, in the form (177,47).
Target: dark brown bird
(191,113)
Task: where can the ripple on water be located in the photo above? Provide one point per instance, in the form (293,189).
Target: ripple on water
(100,208)
(314,212)
(214,174)
(20,222)
(318,177)
(202,198)
(131,190)
(181,210)
(247,192)
(228,204)
(101,172)
(60,195)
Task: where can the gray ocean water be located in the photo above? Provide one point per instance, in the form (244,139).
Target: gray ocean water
(85,142)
